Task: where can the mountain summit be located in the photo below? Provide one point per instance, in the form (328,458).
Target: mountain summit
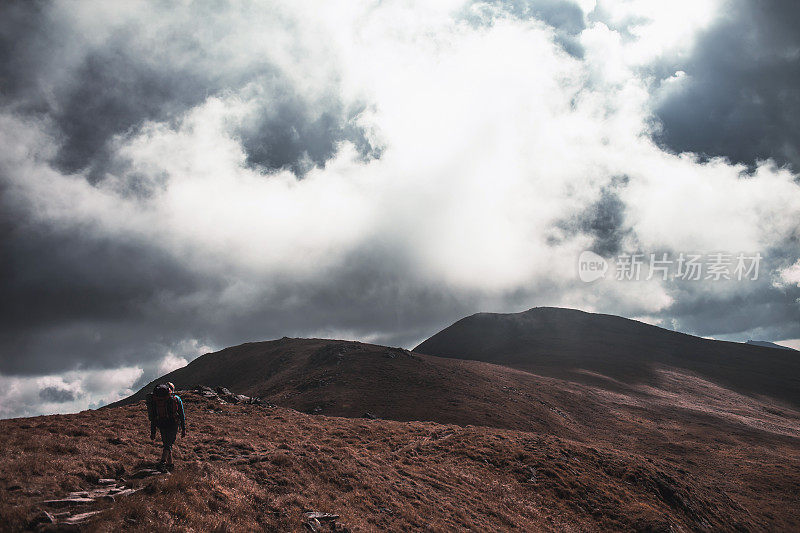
(577,345)
(768,344)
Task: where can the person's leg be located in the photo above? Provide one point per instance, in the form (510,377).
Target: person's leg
(169,434)
(163,453)
(165,442)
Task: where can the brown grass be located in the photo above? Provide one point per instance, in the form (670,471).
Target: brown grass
(248,468)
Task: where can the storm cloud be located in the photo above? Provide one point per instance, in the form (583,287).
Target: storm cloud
(737,93)
(174,180)
(56,395)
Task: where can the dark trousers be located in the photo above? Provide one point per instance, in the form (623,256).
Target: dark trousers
(169,432)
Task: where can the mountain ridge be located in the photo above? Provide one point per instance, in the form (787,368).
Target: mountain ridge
(566,343)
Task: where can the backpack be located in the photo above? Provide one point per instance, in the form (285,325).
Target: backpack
(162,406)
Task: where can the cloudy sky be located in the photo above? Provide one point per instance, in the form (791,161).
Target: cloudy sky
(175,179)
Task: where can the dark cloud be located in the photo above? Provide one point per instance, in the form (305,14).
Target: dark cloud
(763,312)
(66,295)
(129,79)
(289,133)
(56,395)
(741,98)
(117,81)
(71,297)
(24,45)
(72,300)
(603,220)
(126,91)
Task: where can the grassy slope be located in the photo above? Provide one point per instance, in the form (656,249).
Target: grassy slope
(245,468)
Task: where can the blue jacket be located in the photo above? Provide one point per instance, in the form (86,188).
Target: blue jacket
(181,414)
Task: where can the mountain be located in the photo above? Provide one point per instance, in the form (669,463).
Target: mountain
(767,344)
(345,378)
(352,379)
(551,419)
(598,348)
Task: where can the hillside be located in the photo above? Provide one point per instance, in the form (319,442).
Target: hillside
(345,378)
(569,421)
(249,468)
(351,379)
(576,345)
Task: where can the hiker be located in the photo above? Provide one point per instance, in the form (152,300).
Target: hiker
(165,410)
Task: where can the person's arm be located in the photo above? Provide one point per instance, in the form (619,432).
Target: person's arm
(182,416)
(149,403)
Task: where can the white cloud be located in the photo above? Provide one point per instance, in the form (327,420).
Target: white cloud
(790,275)
(659,28)
(790,343)
(171,362)
(78,390)
(491,136)
(181,355)
(87,389)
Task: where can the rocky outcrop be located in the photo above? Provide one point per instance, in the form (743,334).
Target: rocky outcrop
(108,491)
(224,395)
(317,521)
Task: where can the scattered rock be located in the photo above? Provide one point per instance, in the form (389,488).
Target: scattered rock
(115,441)
(145,472)
(82,517)
(369,415)
(262,403)
(106,481)
(312,524)
(224,395)
(393,353)
(68,502)
(316,515)
(126,492)
(532,471)
(315,519)
(330,353)
(317,409)
(44,518)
